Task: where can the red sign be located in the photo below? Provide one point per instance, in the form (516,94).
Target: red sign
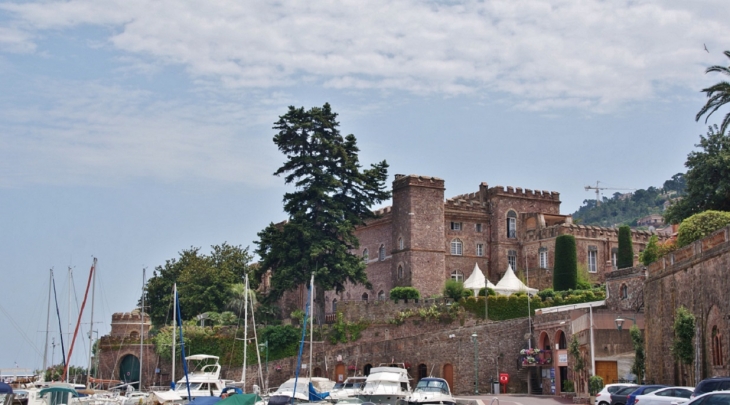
(503,378)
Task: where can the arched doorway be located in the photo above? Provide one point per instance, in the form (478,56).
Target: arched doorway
(129,370)
(561,343)
(449,375)
(422,372)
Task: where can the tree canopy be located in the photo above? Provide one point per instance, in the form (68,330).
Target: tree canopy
(701,225)
(625,256)
(708,178)
(203,282)
(332,196)
(717,96)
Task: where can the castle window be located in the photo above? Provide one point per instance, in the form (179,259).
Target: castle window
(614,256)
(365,255)
(455,226)
(381,295)
(381,253)
(456,247)
(592,256)
(480,249)
(717,355)
(334,305)
(400,243)
(478,227)
(456,275)
(543,258)
(624,291)
(400,272)
(511,224)
(512,258)
(365,297)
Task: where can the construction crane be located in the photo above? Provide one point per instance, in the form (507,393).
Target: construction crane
(598,188)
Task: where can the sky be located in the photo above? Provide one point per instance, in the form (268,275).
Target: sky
(133,129)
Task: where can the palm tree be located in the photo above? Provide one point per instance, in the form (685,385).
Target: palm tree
(237,295)
(718,95)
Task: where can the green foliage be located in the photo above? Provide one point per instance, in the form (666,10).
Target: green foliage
(625,256)
(203,282)
(717,95)
(502,307)
(343,331)
(55,372)
(565,273)
(684,332)
(332,196)
(237,297)
(283,340)
(574,351)
(701,225)
(639,366)
(584,280)
(491,292)
(568,386)
(546,293)
(595,384)
(708,178)
(651,253)
(441,313)
(627,208)
(455,290)
(268,314)
(404,293)
(223,318)
(298,315)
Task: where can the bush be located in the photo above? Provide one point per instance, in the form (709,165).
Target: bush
(568,386)
(455,290)
(565,273)
(625,257)
(546,293)
(491,292)
(404,293)
(595,384)
(651,253)
(700,225)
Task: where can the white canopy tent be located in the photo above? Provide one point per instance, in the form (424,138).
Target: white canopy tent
(510,284)
(477,281)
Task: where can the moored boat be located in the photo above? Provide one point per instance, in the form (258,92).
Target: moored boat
(386,385)
(431,390)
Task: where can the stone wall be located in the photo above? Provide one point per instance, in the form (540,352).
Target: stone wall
(698,278)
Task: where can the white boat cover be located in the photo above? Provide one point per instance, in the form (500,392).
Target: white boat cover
(510,284)
(167,396)
(476,280)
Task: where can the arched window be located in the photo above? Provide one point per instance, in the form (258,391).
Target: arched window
(456,247)
(334,305)
(365,297)
(381,295)
(624,291)
(717,355)
(134,335)
(381,253)
(511,224)
(400,243)
(365,255)
(400,272)
(457,275)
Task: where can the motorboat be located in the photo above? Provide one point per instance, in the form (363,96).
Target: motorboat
(203,378)
(299,390)
(386,385)
(431,390)
(347,389)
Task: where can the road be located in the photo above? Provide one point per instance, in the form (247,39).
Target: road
(516,399)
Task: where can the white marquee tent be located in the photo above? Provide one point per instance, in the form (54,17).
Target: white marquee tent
(510,284)
(476,280)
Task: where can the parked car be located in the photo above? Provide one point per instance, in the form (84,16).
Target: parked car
(622,394)
(642,390)
(711,398)
(711,384)
(604,396)
(665,396)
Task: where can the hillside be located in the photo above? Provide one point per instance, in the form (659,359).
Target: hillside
(625,209)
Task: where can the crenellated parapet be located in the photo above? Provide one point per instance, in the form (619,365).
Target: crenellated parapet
(414,180)
(383,211)
(127,324)
(587,232)
(523,193)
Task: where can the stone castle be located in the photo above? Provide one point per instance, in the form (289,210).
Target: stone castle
(424,239)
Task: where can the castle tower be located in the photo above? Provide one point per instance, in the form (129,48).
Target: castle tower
(418,233)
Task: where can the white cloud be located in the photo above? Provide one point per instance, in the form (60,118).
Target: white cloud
(598,54)
(15,40)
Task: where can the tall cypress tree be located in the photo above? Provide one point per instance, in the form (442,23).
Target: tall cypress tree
(332,196)
(625,257)
(565,272)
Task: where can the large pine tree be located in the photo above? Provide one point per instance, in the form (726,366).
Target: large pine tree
(332,196)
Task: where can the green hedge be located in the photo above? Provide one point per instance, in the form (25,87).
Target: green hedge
(404,293)
(625,256)
(502,307)
(565,271)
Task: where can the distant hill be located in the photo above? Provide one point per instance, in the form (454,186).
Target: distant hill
(625,209)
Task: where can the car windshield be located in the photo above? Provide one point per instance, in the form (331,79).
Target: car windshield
(714,399)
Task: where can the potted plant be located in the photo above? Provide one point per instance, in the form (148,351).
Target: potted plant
(595,384)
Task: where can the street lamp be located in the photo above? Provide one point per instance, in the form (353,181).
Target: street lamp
(620,322)
(476,364)
(263,346)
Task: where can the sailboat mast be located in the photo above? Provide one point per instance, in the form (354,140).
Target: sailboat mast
(78,322)
(141,332)
(48,324)
(245,330)
(174,329)
(91,328)
(68,320)
(311,325)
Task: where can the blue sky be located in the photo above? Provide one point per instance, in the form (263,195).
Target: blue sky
(133,129)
